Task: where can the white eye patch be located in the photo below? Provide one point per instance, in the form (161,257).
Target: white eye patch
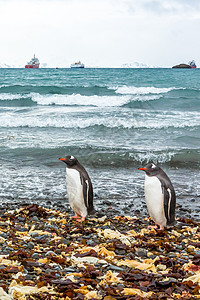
(153,166)
(71,157)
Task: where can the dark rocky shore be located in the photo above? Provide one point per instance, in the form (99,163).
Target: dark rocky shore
(47,255)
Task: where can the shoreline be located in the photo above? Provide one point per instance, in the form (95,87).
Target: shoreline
(106,207)
(46,255)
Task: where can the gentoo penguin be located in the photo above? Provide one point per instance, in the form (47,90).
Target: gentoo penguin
(159,195)
(79,188)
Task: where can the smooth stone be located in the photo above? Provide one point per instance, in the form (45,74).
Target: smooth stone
(69,270)
(35,256)
(120,252)
(33,234)
(66,242)
(115,268)
(172,279)
(2,267)
(179,247)
(54,227)
(48,270)
(29,277)
(22,229)
(35,219)
(8,249)
(3,234)
(90,242)
(30,245)
(42,237)
(141,252)
(50,253)
(183,244)
(172,255)
(25,271)
(21,219)
(58,268)
(152,256)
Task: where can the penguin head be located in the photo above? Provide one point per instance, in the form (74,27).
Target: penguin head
(150,169)
(69,160)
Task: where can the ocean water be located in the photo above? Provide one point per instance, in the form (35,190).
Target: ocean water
(113,121)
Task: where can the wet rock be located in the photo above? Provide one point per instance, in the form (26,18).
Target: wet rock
(35,219)
(52,253)
(35,256)
(90,242)
(42,237)
(22,229)
(21,219)
(30,245)
(3,234)
(115,268)
(66,242)
(69,270)
(141,252)
(179,247)
(33,234)
(8,249)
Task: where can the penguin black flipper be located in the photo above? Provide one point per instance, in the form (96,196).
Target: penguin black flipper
(169,203)
(87,193)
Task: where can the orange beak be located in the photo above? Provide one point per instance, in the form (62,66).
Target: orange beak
(63,159)
(143,169)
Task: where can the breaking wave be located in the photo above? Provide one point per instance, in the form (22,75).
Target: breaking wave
(64,120)
(95,156)
(143,90)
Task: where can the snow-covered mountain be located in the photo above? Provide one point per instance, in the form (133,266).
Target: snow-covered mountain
(10,66)
(136,65)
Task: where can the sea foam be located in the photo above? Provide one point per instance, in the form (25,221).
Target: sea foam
(142,90)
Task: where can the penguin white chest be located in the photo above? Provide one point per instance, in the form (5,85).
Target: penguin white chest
(154,199)
(75,192)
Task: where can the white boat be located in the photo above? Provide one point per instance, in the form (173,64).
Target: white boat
(77,65)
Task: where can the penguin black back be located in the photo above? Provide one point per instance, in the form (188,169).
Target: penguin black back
(73,163)
(169,196)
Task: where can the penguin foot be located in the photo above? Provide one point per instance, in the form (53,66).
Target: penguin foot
(156,227)
(81,220)
(75,217)
(152,227)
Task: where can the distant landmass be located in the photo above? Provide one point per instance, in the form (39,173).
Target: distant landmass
(182,66)
(190,65)
(126,65)
(137,65)
(6,66)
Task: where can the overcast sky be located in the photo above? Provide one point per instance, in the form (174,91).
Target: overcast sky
(100,32)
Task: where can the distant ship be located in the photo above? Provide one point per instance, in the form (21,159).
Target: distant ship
(192,64)
(77,65)
(33,63)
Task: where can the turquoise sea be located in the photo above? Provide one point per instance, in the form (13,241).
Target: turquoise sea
(113,121)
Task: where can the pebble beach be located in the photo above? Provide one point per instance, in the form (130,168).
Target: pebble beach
(47,255)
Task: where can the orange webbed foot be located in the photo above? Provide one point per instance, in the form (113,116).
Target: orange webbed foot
(76,216)
(81,220)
